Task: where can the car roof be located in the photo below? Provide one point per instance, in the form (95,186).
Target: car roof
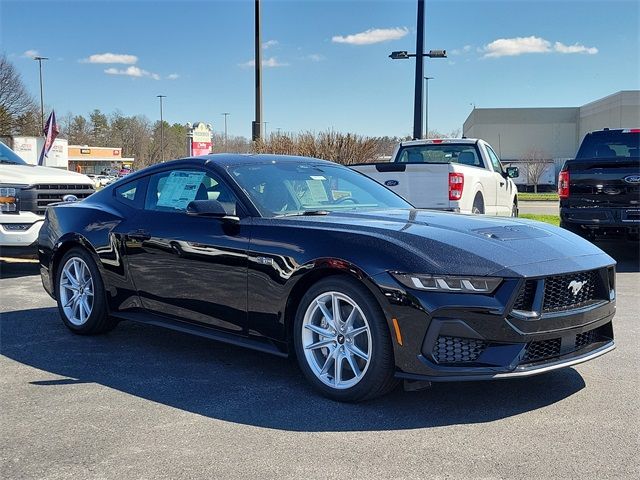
(436,141)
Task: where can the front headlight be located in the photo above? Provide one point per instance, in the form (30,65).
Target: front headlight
(9,202)
(448,283)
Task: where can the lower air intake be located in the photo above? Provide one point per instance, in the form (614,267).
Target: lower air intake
(457,349)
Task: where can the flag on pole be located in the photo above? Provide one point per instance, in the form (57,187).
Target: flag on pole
(50,131)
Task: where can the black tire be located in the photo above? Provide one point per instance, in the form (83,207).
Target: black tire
(98,320)
(514,210)
(478,205)
(378,378)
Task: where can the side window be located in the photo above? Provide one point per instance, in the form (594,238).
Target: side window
(172,190)
(497,166)
(130,193)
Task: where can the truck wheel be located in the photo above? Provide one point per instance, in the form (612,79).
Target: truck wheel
(80,294)
(478,205)
(514,210)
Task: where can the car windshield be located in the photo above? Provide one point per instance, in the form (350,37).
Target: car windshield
(9,156)
(284,188)
(464,153)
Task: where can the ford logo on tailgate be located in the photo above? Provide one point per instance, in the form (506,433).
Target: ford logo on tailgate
(632,179)
(394,183)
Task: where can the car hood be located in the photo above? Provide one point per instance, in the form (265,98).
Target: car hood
(472,244)
(32,174)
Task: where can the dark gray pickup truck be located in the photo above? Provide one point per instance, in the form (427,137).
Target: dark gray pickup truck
(600,189)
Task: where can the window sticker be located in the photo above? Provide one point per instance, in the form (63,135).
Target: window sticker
(317,192)
(179,189)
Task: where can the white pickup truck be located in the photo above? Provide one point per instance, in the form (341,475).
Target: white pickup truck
(25,192)
(455,174)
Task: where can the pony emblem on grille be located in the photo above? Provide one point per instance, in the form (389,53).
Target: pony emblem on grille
(576,286)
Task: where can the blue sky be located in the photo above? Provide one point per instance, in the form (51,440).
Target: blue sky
(327,62)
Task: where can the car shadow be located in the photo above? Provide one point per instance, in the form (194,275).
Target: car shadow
(242,386)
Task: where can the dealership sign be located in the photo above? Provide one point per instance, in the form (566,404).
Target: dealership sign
(200,139)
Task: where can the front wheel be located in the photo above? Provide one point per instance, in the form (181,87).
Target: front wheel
(342,341)
(80,294)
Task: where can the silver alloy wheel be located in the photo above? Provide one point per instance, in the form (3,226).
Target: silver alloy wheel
(336,338)
(76,291)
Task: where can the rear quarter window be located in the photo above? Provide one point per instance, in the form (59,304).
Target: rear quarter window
(131,193)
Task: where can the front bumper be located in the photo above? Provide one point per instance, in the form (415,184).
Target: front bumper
(19,230)
(458,337)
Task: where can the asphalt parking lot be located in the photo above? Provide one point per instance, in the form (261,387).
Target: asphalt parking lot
(143,402)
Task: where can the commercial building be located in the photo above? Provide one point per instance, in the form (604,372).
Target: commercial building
(97,160)
(29,148)
(553,134)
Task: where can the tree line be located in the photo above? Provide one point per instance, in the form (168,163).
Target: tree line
(140,137)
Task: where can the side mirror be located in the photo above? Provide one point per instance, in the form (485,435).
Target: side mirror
(209,208)
(513,172)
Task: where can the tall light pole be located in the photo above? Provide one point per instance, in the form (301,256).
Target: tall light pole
(256,127)
(226,114)
(426,108)
(161,128)
(404,55)
(39,60)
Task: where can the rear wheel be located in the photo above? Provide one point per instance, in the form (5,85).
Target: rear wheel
(80,294)
(514,210)
(478,205)
(342,341)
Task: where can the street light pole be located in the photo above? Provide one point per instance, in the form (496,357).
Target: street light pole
(226,114)
(426,108)
(265,130)
(161,128)
(417,101)
(39,60)
(257,124)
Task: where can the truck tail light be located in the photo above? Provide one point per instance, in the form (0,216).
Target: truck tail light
(563,184)
(456,184)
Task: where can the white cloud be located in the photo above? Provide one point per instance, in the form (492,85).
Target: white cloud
(315,57)
(575,48)
(122,58)
(31,53)
(269,44)
(268,63)
(373,35)
(173,76)
(132,71)
(509,47)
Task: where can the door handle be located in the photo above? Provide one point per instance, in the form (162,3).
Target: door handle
(139,235)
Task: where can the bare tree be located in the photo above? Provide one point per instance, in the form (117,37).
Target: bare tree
(18,111)
(536,163)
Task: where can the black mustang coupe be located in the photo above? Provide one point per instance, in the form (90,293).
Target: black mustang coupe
(299,256)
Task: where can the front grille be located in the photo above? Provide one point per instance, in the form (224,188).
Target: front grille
(542,349)
(457,349)
(37,199)
(565,292)
(585,339)
(545,349)
(526,296)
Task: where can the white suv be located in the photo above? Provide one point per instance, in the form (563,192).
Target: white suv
(25,192)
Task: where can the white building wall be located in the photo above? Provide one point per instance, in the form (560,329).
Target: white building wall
(620,110)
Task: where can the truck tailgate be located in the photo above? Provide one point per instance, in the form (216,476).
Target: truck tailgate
(595,183)
(425,185)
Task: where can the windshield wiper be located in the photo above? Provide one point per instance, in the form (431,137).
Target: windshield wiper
(304,213)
